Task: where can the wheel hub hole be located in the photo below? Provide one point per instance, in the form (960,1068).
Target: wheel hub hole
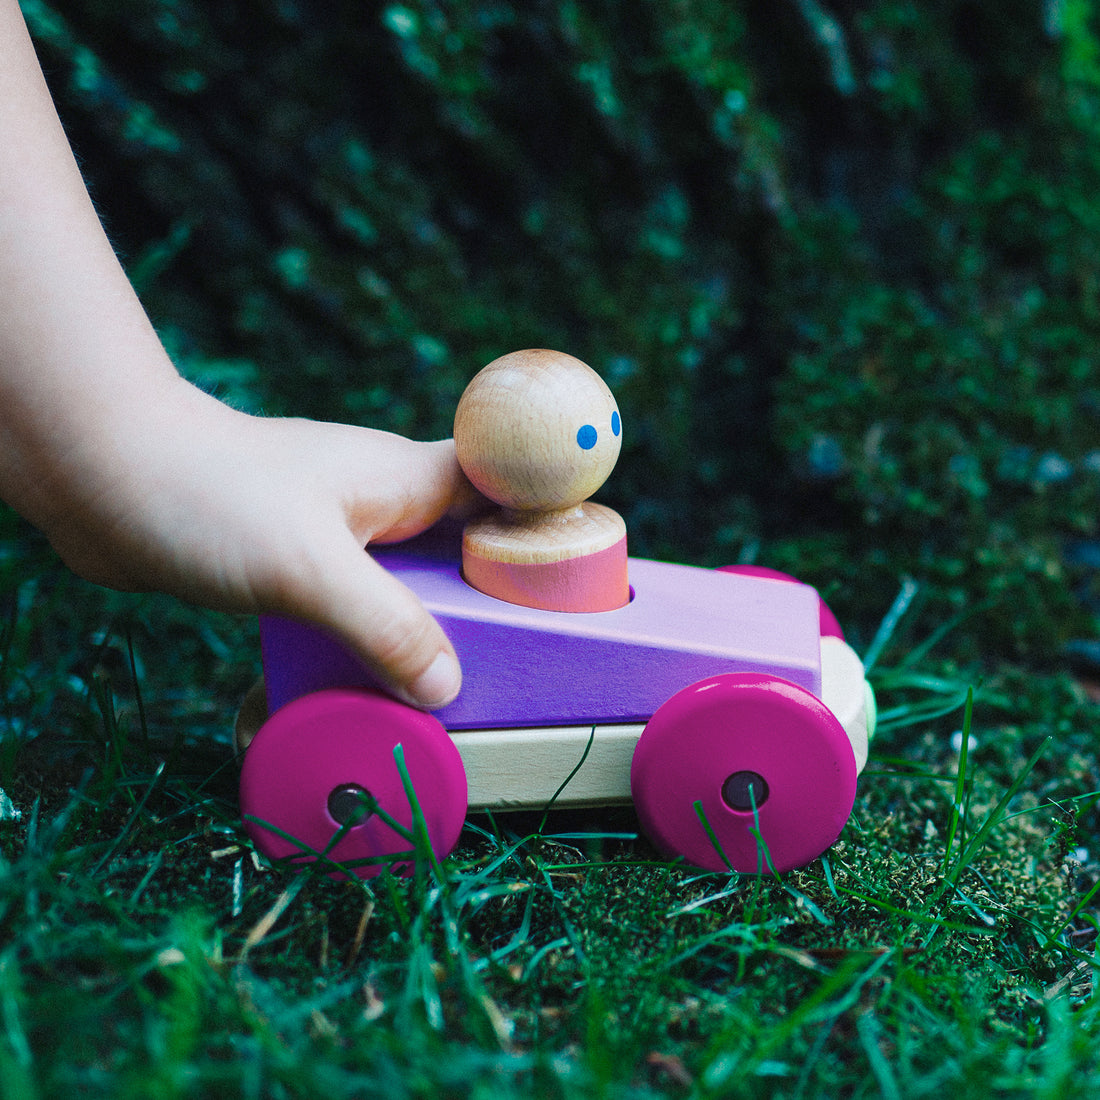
(350,804)
(744,790)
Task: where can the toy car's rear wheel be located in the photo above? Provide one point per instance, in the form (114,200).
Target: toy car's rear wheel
(325,762)
(768,764)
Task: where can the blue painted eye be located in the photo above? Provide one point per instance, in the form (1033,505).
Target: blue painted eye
(586,437)
(616,423)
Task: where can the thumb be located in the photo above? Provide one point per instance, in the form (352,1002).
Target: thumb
(385,624)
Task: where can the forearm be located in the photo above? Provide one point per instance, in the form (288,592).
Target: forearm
(78,356)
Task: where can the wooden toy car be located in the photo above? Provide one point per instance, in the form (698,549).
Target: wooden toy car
(725,704)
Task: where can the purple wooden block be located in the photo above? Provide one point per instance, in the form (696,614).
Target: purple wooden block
(527,667)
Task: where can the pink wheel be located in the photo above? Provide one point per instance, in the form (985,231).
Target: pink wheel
(316,763)
(732,741)
(830,628)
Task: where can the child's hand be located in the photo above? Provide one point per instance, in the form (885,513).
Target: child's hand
(249,514)
(142,481)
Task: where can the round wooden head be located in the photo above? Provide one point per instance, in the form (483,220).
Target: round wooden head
(537,431)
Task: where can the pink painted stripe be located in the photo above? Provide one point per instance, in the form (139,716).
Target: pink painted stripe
(592,582)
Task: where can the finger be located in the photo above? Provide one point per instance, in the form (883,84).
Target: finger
(468,503)
(418,485)
(385,624)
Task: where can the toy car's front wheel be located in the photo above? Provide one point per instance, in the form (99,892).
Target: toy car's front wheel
(324,765)
(744,771)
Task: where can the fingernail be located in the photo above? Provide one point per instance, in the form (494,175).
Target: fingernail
(438,684)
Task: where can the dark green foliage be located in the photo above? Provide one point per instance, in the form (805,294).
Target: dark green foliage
(838,265)
(344,210)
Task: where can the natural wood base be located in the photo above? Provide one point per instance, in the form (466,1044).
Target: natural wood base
(522,769)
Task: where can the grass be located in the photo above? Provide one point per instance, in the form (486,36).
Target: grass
(943,947)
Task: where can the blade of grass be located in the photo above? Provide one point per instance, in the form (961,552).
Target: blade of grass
(567,780)
(259,931)
(961,783)
(914,915)
(143,725)
(712,836)
(131,820)
(979,839)
(421,840)
(909,590)
(872,1040)
(1084,900)
(763,856)
(11,995)
(994,817)
(307,851)
(919,653)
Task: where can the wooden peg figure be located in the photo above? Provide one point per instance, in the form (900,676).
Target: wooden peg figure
(538,432)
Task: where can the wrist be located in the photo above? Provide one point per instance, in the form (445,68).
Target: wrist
(82,470)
